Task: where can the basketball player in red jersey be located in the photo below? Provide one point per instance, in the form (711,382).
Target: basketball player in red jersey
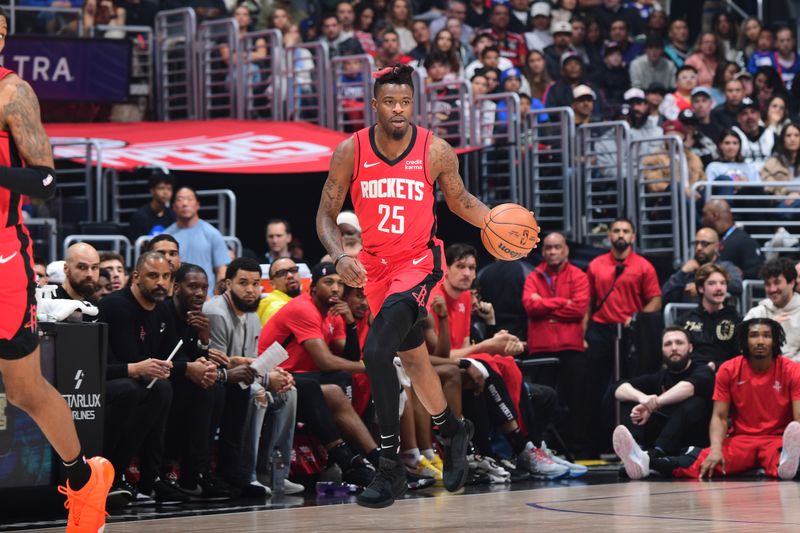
(391,170)
(23,141)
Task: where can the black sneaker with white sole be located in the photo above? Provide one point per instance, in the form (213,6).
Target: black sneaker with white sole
(205,489)
(120,495)
(167,493)
(456,466)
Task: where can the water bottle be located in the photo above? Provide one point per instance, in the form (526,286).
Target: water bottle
(332,488)
(277,471)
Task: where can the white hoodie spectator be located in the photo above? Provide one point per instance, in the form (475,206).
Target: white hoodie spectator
(782,303)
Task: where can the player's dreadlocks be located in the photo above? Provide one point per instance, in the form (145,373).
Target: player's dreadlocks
(395,75)
(778,335)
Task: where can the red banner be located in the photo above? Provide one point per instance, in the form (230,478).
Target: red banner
(224,146)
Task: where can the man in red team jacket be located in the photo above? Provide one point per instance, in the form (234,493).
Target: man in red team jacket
(759,391)
(391,170)
(556,299)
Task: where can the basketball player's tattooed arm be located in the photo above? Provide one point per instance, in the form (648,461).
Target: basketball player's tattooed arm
(444,167)
(20,116)
(330,204)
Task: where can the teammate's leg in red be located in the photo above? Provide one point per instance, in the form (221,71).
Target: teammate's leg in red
(740,455)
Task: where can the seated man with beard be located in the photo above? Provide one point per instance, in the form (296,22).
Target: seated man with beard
(141,334)
(680,287)
(285,277)
(81,273)
(669,410)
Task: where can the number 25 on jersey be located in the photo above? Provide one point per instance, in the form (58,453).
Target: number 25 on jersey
(394,216)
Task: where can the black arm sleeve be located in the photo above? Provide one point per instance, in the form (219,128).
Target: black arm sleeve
(36,182)
(352,348)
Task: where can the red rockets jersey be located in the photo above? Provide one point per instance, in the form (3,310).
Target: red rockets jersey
(394,200)
(10,202)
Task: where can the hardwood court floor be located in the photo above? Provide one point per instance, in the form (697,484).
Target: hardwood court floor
(686,506)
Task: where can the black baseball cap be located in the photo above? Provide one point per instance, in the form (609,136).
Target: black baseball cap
(747,103)
(688,118)
(322,270)
(656,88)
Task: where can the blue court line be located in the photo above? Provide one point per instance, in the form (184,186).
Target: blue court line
(544,506)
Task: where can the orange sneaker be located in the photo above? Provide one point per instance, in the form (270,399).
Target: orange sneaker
(87,507)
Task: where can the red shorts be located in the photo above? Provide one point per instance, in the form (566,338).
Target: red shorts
(18,330)
(741,453)
(411,275)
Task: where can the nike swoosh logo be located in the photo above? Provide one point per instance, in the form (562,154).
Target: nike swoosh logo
(7,259)
(48,180)
(420,260)
(741,382)
(370,165)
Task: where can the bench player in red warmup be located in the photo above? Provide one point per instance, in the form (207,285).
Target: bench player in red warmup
(391,170)
(23,141)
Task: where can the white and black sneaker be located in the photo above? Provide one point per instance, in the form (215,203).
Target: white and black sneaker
(141,498)
(488,466)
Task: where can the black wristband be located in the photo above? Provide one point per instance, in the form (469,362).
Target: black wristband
(464,364)
(339,258)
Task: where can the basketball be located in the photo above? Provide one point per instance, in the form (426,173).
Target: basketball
(509,232)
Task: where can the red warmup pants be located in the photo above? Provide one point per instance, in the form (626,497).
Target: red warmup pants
(741,453)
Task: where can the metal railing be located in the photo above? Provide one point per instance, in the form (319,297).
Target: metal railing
(658,176)
(757,208)
(120,244)
(72,12)
(81,181)
(308,91)
(218,58)
(126,195)
(220,212)
(495,118)
(352,92)
(445,112)
(139,246)
(44,232)
(419,96)
(602,166)
(175,63)
(752,293)
(260,84)
(673,311)
(548,139)
(234,244)
(142,55)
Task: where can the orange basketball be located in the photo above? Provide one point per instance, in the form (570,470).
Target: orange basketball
(509,232)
